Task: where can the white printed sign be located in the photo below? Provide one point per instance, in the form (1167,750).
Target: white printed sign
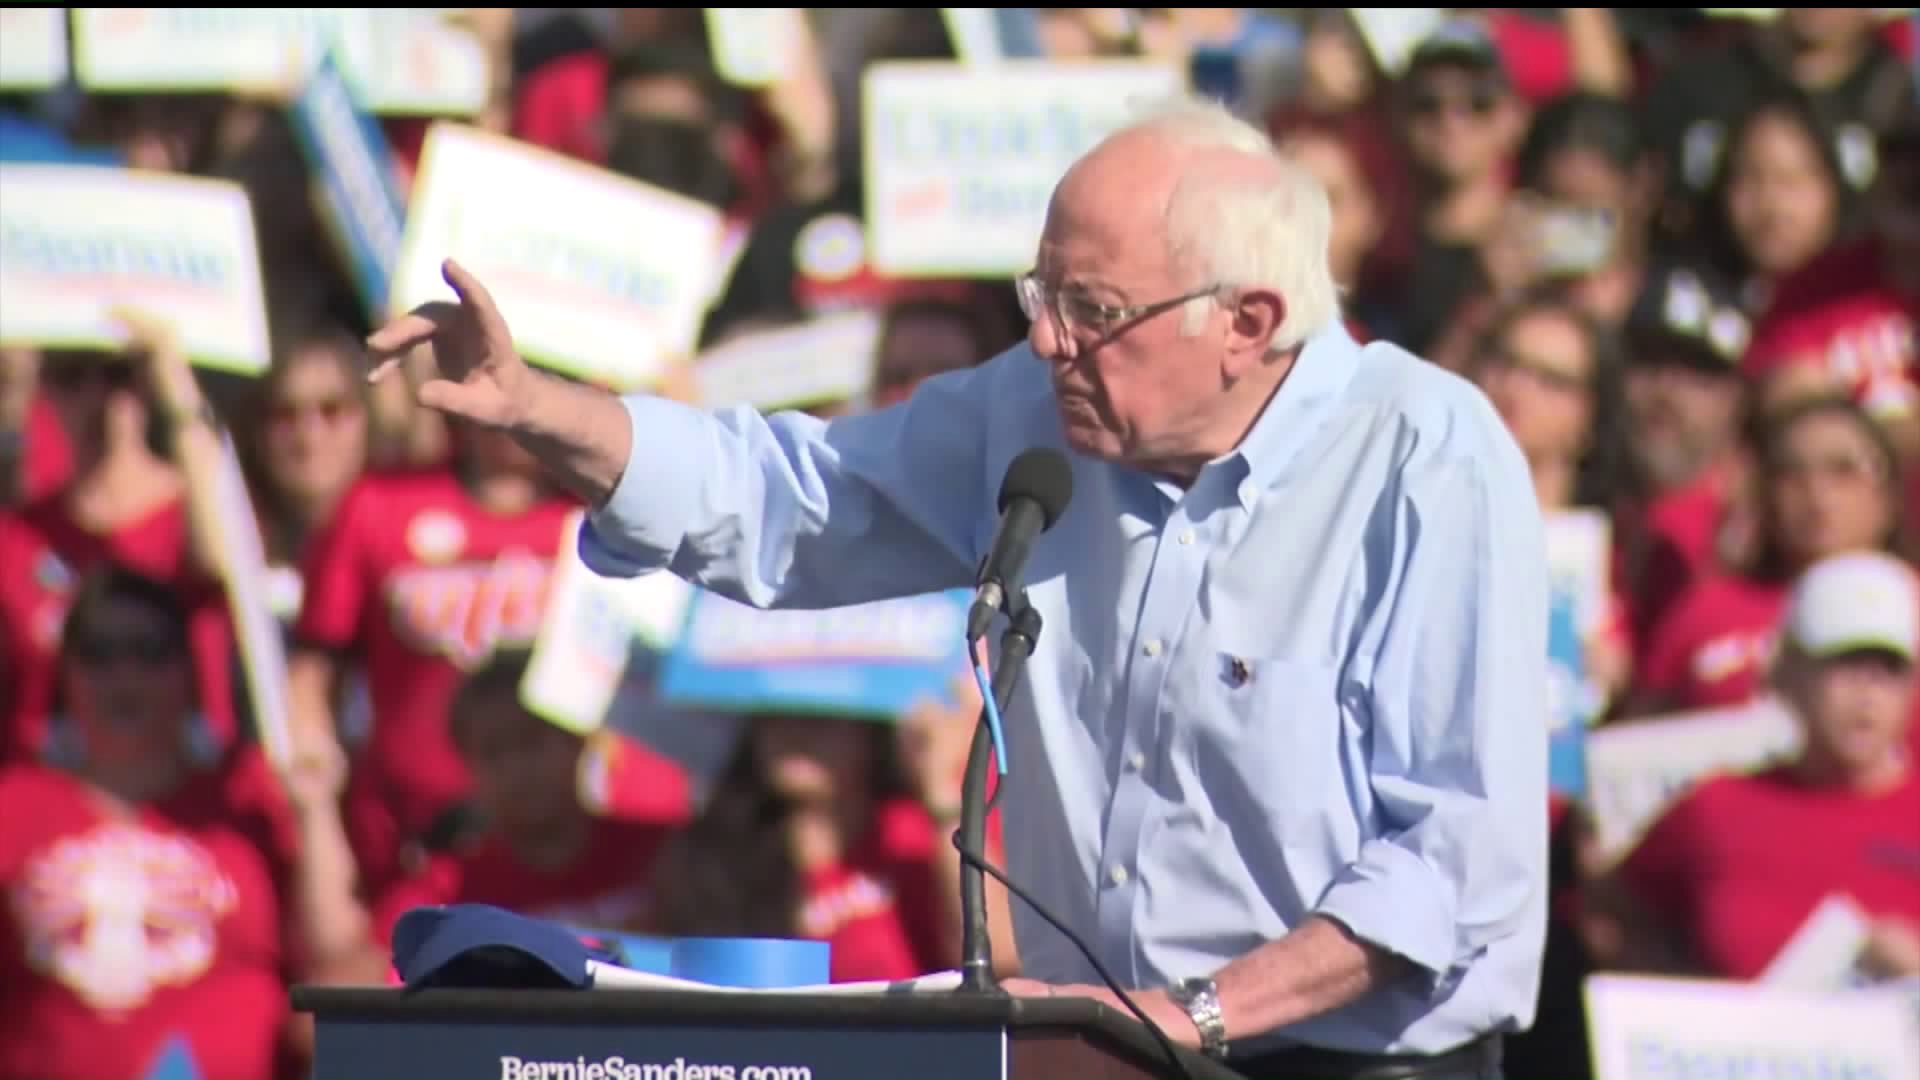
(1824,952)
(601,277)
(1579,561)
(754,46)
(975,33)
(1634,770)
(401,60)
(1690,1029)
(587,634)
(1392,34)
(961,161)
(33,47)
(827,359)
(78,241)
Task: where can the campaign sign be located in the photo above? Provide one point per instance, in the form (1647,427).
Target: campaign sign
(602,277)
(1570,703)
(33,47)
(76,241)
(1696,1029)
(961,160)
(829,358)
(352,165)
(402,60)
(872,660)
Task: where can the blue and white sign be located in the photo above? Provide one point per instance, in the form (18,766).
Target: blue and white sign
(354,171)
(1572,700)
(871,660)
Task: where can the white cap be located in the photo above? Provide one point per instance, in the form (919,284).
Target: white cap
(1857,601)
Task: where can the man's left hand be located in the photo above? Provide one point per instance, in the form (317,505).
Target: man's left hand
(1160,1008)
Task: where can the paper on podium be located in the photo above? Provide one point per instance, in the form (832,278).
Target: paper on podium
(614,977)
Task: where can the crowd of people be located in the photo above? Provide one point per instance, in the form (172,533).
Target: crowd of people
(1680,255)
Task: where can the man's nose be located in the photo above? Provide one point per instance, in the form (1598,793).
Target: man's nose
(1046,340)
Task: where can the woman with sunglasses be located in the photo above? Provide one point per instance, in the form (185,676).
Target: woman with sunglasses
(129,417)
(1827,484)
(161,891)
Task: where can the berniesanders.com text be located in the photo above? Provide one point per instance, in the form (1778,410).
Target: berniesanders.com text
(619,1068)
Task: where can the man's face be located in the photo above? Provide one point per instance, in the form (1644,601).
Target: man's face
(1680,414)
(1855,706)
(1460,123)
(1136,389)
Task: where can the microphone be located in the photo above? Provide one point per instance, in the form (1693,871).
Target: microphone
(1035,491)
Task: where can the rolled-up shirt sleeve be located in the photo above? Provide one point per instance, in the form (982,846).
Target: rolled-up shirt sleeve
(788,510)
(1458,754)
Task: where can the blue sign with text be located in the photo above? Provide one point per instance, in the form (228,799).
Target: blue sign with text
(353,168)
(873,660)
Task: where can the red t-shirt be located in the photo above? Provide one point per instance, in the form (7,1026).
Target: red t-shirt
(42,555)
(1840,314)
(49,462)
(422,585)
(1713,648)
(877,907)
(1668,546)
(1737,864)
(126,930)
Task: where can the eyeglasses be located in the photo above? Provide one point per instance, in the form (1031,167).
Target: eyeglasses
(1479,102)
(1544,373)
(329,410)
(1075,311)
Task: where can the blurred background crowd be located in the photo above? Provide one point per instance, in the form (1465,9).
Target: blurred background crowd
(1679,251)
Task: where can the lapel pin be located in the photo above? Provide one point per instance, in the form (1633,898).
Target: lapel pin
(1238,673)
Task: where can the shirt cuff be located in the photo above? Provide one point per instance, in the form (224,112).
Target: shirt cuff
(643,522)
(1392,899)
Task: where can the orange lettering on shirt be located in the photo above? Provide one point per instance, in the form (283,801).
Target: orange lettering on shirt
(466,611)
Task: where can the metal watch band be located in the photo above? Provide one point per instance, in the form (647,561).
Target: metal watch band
(1202,1002)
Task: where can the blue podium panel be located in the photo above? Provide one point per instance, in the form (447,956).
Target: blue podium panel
(497,1047)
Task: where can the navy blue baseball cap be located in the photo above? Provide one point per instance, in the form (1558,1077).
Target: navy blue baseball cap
(477,946)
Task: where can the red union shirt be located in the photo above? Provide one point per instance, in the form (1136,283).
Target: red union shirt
(1840,315)
(876,907)
(124,929)
(43,553)
(1713,647)
(1738,864)
(421,584)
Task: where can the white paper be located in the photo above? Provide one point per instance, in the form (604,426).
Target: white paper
(613,977)
(1821,955)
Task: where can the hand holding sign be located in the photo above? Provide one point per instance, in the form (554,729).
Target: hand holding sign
(479,375)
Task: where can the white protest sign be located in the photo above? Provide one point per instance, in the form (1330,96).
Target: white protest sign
(257,630)
(1579,562)
(401,60)
(1823,953)
(33,47)
(827,359)
(1634,770)
(1693,1029)
(975,33)
(602,277)
(78,241)
(961,161)
(1392,34)
(754,46)
(587,634)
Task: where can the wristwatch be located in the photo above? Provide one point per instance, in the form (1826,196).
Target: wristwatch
(1202,1002)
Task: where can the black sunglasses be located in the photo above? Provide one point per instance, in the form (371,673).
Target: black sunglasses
(106,648)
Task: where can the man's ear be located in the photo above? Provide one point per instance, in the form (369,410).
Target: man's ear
(1253,318)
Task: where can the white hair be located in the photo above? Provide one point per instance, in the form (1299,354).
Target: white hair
(1268,227)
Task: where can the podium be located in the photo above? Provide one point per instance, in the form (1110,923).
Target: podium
(366,1033)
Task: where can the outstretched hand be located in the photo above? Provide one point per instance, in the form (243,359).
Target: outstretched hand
(478,375)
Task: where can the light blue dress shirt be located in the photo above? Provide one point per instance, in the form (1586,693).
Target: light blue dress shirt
(1314,681)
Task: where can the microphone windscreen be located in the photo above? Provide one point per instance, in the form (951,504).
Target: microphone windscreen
(1041,475)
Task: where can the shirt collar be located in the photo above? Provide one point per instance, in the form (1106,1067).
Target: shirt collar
(1320,374)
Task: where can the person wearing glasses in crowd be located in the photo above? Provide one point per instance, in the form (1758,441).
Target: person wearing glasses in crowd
(1278,756)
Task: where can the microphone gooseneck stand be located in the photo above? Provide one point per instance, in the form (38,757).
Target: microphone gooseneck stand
(976,947)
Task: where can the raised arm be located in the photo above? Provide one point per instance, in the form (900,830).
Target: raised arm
(777,511)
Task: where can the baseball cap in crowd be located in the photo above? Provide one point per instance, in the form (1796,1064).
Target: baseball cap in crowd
(1460,43)
(1858,602)
(1686,313)
(477,946)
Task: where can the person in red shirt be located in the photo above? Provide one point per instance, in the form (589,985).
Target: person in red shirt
(565,827)
(159,889)
(1731,871)
(35,459)
(1828,484)
(418,579)
(124,505)
(825,828)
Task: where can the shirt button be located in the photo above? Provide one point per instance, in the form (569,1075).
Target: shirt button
(1247,492)
(1152,648)
(1117,875)
(1137,761)
(1186,536)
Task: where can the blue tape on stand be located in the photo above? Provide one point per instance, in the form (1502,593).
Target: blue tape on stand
(753,963)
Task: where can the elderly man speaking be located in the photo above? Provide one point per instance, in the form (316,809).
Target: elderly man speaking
(1282,753)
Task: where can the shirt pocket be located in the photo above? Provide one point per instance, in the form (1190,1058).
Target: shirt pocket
(1265,734)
